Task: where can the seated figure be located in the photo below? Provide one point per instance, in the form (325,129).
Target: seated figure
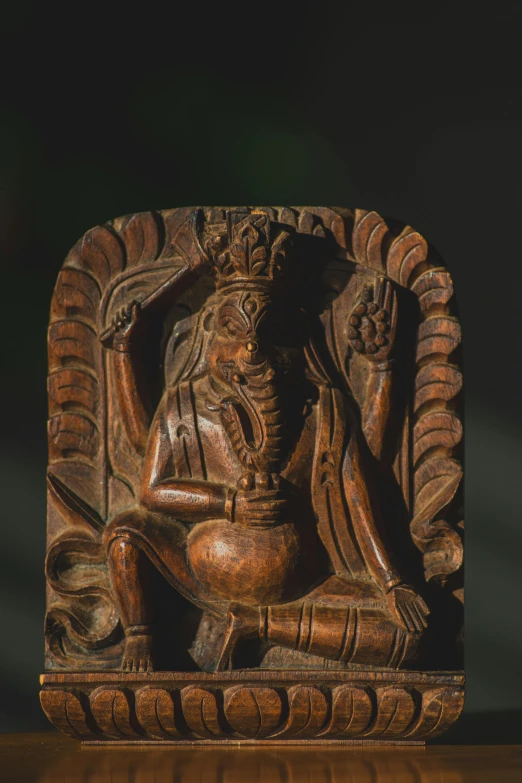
(255,501)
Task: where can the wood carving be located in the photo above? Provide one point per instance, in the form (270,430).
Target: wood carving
(255,465)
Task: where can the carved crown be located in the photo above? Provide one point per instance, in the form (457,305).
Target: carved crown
(243,250)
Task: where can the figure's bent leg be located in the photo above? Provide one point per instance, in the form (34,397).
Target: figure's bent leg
(345,634)
(128,568)
(138,543)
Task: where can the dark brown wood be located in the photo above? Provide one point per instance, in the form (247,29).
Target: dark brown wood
(275,706)
(255,451)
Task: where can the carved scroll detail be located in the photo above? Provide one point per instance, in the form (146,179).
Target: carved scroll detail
(155,711)
(279,711)
(114,713)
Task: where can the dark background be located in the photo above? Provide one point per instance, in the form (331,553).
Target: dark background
(409,108)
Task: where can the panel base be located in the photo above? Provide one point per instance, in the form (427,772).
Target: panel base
(252,706)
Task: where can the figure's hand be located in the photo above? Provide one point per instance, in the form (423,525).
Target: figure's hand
(408,608)
(121,334)
(259,507)
(373,321)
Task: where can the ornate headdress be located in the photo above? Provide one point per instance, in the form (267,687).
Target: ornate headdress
(243,251)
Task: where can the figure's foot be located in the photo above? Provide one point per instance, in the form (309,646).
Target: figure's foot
(242,622)
(137,656)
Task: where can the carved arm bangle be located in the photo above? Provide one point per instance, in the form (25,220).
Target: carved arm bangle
(386,366)
(230,504)
(391,582)
(123,347)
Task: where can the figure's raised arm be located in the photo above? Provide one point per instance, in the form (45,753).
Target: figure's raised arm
(371,331)
(125,336)
(126,339)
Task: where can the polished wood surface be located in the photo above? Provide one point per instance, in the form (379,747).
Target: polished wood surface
(53,758)
(255,466)
(268,706)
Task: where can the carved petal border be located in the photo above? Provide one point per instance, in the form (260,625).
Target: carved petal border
(270,706)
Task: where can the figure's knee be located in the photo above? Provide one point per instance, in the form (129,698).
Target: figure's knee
(121,526)
(122,553)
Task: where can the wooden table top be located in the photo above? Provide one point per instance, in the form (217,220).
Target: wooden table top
(52,758)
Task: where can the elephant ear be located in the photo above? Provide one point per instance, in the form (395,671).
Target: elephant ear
(427,462)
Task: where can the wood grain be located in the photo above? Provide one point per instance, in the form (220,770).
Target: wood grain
(268,706)
(255,464)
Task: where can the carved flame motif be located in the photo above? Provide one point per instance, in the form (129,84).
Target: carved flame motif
(242,248)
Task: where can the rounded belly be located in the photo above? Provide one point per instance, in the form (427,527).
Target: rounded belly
(248,565)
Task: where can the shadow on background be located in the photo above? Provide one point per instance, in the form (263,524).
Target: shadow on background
(407,108)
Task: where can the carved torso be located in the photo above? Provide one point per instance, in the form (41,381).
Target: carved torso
(293,550)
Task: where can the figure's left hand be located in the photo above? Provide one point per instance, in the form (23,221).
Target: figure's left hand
(373,321)
(408,608)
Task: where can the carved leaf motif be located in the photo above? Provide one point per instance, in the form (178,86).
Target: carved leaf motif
(338,229)
(173,219)
(253,712)
(74,433)
(440,708)
(434,287)
(99,252)
(73,388)
(431,477)
(437,503)
(289,216)
(65,711)
(201,711)
(71,341)
(72,508)
(139,233)
(441,545)
(367,238)
(434,430)
(352,711)
(155,712)
(306,222)
(101,635)
(308,710)
(259,254)
(113,714)
(439,335)
(76,294)
(438,381)
(444,553)
(80,478)
(76,548)
(406,252)
(395,712)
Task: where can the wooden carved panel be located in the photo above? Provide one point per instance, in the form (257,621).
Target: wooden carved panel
(255,465)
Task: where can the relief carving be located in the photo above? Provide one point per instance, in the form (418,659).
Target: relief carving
(255,446)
